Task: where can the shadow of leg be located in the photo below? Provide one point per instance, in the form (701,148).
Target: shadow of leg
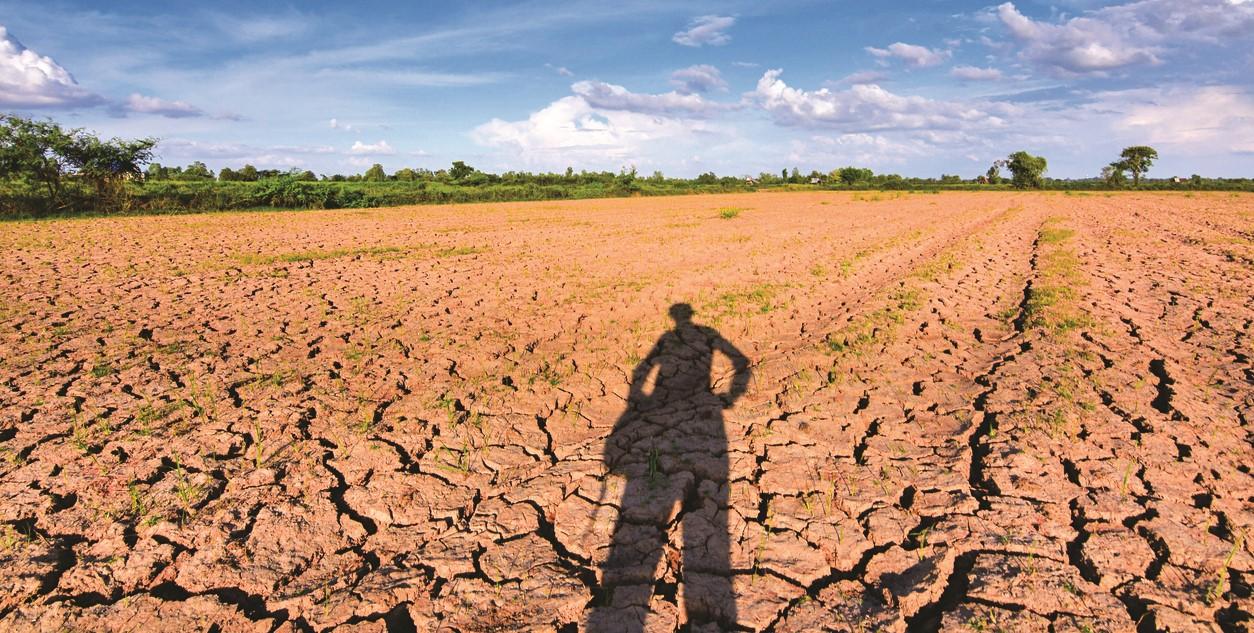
(635,549)
(707,594)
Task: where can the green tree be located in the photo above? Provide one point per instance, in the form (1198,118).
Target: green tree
(196,171)
(375,174)
(854,175)
(248,173)
(156,172)
(35,151)
(106,165)
(1138,160)
(1113,174)
(1026,170)
(993,175)
(460,170)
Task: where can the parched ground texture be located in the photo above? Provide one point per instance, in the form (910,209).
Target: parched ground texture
(1021,412)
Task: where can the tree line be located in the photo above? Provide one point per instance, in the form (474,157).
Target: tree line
(46,169)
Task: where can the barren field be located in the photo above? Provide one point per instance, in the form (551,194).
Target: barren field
(1020,412)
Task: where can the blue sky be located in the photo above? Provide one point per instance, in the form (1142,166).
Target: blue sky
(917,88)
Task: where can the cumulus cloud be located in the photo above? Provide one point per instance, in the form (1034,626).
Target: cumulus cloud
(1124,35)
(918,56)
(705,30)
(1194,120)
(382,148)
(975,73)
(572,130)
(31,80)
(606,96)
(698,78)
(868,107)
(142,104)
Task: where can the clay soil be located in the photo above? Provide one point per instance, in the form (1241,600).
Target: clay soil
(1021,412)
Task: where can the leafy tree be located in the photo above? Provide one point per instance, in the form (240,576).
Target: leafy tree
(108,164)
(1113,174)
(375,174)
(796,176)
(1138,160)
(156,171)
(248,173)
(45,154)
(460,170)
(1026,170)
(34,150)
(196,171)
(993,175)
(854,175)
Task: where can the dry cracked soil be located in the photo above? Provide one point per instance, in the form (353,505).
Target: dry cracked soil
(763,412)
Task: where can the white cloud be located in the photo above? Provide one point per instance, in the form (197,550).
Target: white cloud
(863,77)
(31,80)
(867,107)
(1080,45)
(573,131)
(975,73)
(382,148)
(856,148)
(606,96)
(698,78)
(1123,35)
(336,124)
(561,70)
(1209,119)
(918,56)
(142,104)
(705,30)
(237,154)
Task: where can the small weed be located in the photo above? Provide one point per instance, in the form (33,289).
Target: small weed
(920,540)
(101,369)
(457,251)
(186,491)
(259,443)
(655,468)
(1220,586)
(728,213)
(138,503)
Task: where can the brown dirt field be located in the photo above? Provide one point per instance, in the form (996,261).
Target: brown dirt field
(1025,412)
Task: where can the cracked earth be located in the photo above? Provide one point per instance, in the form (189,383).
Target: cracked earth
(1020,412)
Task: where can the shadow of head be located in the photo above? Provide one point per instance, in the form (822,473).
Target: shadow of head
(681,313)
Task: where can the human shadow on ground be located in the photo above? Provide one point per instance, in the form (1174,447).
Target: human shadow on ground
(668,455)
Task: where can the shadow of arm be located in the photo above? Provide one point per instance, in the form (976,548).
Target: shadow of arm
(740,365)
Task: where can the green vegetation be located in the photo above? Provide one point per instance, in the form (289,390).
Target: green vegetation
(1051,300)
(46,170)
(254,259)
(1026,170)
(728,213)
